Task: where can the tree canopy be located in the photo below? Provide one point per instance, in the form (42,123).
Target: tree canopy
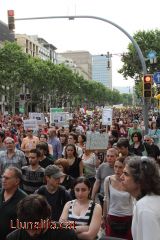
(49,85)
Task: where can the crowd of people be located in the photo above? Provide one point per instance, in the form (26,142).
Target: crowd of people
(54,187)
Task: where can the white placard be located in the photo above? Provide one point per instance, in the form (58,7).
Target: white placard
(59,119)
(96,141)
(107,116)
(31,124)
(38,116)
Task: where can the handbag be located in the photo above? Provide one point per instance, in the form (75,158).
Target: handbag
(119,227)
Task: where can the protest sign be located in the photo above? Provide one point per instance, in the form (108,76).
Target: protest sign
(30,123)
(107,116)
(96,141)
(38,116)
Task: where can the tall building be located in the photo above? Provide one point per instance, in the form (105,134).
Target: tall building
(102,70)
(68,62)
(83,61)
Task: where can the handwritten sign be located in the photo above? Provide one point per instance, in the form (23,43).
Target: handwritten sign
(59,119)
(107,116)
(38,116)
(96,141)
(30,123)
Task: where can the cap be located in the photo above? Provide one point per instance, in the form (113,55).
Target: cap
(135,121)
(53,171)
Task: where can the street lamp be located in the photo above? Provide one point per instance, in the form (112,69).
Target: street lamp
(136,46)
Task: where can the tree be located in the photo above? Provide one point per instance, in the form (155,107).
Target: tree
(12,70)
(147,41)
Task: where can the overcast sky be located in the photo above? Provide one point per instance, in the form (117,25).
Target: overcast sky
(91,35)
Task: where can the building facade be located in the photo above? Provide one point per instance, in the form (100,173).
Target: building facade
(82,60)
(71,65)
(36,47)
(102,70)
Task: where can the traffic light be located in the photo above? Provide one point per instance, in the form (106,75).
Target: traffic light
(22,97)
(147,86)
(11,24)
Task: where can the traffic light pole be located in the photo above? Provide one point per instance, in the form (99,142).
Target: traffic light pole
(137,48)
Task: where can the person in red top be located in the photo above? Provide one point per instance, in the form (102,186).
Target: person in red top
(45,129)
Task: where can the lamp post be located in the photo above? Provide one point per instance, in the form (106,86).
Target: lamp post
(136,46)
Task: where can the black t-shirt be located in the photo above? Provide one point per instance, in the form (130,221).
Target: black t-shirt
(57,200)
(45,162)
(74,170)
(8,211)
(50,234)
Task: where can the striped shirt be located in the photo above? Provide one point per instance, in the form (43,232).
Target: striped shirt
(82,220)
(32,180)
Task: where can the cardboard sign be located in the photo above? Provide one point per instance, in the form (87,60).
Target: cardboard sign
(107,116)
(38,116)
(96,141)
(30,123)
(59,119)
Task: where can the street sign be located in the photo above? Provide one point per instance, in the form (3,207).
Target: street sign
(152,54)
(21,109)
(156,77)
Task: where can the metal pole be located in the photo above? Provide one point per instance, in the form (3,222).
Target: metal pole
(136,46)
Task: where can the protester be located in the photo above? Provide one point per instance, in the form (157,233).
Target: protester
(55,194)
(44,138)
(44,159)
(11,156)
(133,129)
(83,211)
(73,139)
(10,195)
(65,180)
(2,137)
(123,147)
(55,142)
(35,209)
(118,204)
(90,163)
(104,170)
(32,175)
(141,179)
(29,142)
(75,163)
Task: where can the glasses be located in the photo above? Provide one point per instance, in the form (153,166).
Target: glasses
(146,140)
(135,136)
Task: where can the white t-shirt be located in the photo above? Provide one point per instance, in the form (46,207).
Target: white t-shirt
(146,218)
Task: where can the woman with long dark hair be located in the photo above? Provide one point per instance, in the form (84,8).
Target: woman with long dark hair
(75,164)
(83,211)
